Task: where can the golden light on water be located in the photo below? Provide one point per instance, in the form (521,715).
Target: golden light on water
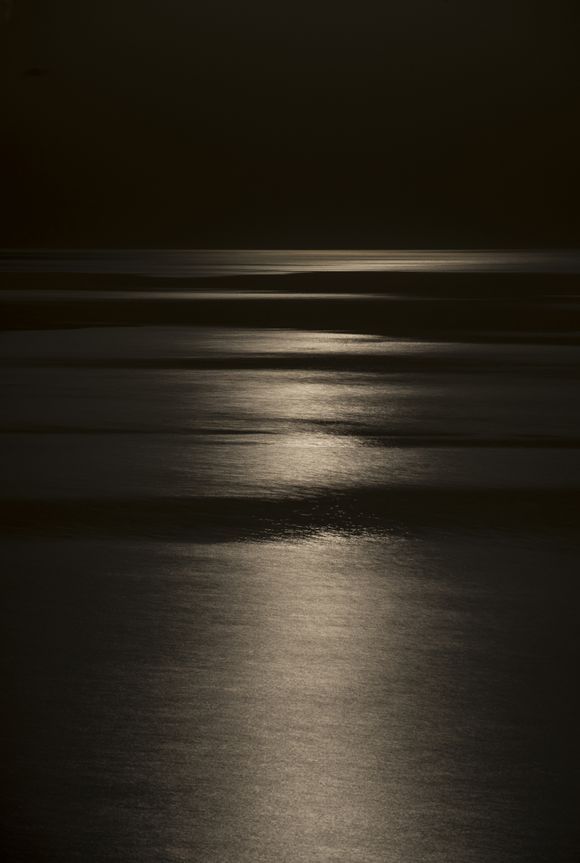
(316,703)
(315,644)
(266,613)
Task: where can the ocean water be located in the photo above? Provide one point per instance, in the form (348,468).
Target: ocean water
(179,263)
(288,574)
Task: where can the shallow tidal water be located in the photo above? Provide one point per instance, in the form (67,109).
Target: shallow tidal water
(288,594)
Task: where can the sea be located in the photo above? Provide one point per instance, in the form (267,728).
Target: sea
(290,556)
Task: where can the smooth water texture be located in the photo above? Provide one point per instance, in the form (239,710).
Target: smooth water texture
(290,593)
(220,262)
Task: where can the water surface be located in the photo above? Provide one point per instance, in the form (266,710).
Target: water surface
(289,592)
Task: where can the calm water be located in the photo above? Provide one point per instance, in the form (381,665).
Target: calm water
(177,263)
(289,592)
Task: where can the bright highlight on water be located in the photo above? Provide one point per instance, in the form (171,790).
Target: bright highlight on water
(223,262)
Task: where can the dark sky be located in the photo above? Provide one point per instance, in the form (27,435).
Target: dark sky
(189,123)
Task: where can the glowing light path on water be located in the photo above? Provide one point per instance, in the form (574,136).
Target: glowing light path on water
(222,262)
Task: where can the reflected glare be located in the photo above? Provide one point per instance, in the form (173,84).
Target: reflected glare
(226,262)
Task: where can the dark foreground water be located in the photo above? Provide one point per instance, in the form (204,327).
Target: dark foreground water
(277,591)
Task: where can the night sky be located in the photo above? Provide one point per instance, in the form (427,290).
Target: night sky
(193,123)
